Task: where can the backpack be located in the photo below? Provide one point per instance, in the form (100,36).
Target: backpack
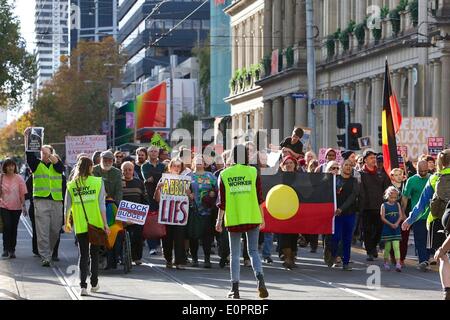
(441,196)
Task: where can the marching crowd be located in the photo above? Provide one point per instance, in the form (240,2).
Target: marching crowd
(376,208)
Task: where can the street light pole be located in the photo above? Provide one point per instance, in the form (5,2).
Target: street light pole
(109,113)
(311,70)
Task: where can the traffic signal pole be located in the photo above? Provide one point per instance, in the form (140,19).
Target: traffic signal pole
(347,114)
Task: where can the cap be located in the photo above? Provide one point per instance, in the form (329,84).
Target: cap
(367,153)
(107,155)
(346,154)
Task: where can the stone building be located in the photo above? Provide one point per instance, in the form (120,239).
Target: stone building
(413,35)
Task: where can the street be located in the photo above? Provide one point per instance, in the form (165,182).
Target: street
(25,278)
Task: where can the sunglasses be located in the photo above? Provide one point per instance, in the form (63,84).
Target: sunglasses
(335,168)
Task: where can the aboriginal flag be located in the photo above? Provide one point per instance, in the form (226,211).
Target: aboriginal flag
(391,119)
(299,202)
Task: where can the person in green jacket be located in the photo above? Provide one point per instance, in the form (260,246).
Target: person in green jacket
(91,209)
(240,204)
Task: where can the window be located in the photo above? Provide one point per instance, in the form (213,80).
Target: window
(205,24)
(159,24)
(187,24)
(197,24)
(168,24)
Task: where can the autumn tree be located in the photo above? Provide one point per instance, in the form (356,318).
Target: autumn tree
(17,66)
(11,137)
(75,100)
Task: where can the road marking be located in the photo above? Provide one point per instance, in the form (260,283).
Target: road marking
(186,286)
(58,272)
(343,288)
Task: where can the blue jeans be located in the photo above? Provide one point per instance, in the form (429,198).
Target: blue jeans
(420,239)
(267,245)
(252,245)
(343,230)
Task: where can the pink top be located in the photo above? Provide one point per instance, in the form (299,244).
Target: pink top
(13,192)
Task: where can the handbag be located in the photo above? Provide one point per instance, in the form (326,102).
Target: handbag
(96,236)
(152,229)
(196,223)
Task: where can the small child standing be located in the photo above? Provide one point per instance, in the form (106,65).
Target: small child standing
(391,216)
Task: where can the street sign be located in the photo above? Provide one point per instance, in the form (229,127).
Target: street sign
(300,95)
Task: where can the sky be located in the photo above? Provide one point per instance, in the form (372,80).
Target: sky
(24,10)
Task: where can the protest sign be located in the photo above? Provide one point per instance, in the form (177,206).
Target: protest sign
(322,159)
(365,142)
(435,145)
(34,139)
(400,150)
(414,134)
(131,212)
(129,120)
(83,144)
(159,142)
(305,140)
(174,202)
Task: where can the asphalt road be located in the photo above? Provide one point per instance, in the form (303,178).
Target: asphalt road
(25,278)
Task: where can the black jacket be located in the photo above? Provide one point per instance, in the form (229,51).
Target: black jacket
(372,189)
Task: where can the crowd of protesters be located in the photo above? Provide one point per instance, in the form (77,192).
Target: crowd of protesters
(376,208)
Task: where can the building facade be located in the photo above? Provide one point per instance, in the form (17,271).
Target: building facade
(92,20)
(144,35)
(52,37)
(350,60)
(247,41)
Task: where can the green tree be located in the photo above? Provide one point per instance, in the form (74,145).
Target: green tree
(17,66)
(75,101)
(203,54)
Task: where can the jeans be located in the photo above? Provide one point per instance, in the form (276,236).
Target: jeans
(267,245)
(343,231)
(420,239)
(10,223)
(235,246)
(85,249)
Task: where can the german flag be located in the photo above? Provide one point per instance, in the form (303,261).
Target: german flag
(299,202)
(391,119)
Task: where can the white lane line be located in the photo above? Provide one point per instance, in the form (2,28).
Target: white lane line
(186,286)
(343,288)
(59,274)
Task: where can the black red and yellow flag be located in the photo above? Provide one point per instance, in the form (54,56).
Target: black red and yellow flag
(391,119)
(299,202)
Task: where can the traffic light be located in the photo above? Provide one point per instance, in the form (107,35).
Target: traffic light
(341,140)
(340,115)
(380,136)
(354,132)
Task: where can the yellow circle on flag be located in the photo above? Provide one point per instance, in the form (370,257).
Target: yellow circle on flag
(282,202)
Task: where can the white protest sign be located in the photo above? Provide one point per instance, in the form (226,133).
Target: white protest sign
(323,160)
(306,138)
(34,139)
(174,202)
(414,133)
(132,212)
(273,158)
(83,144)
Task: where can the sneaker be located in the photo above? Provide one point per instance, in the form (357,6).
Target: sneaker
(268,260)
(96,288)
(180,267)
(398,267)
(153,252)
(84,292)
(387,267)
(338,260)
(423,266)
(346,267)
(45,263)
(5,254)
(194,264)
(12,255)
(169,265)
(137,262)
(247,263)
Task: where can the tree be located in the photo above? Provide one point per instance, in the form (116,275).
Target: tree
(203,54)
(17,66)
(12,139)
(75,101)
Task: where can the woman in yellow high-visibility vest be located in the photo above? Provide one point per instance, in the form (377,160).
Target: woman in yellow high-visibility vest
(92,191)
